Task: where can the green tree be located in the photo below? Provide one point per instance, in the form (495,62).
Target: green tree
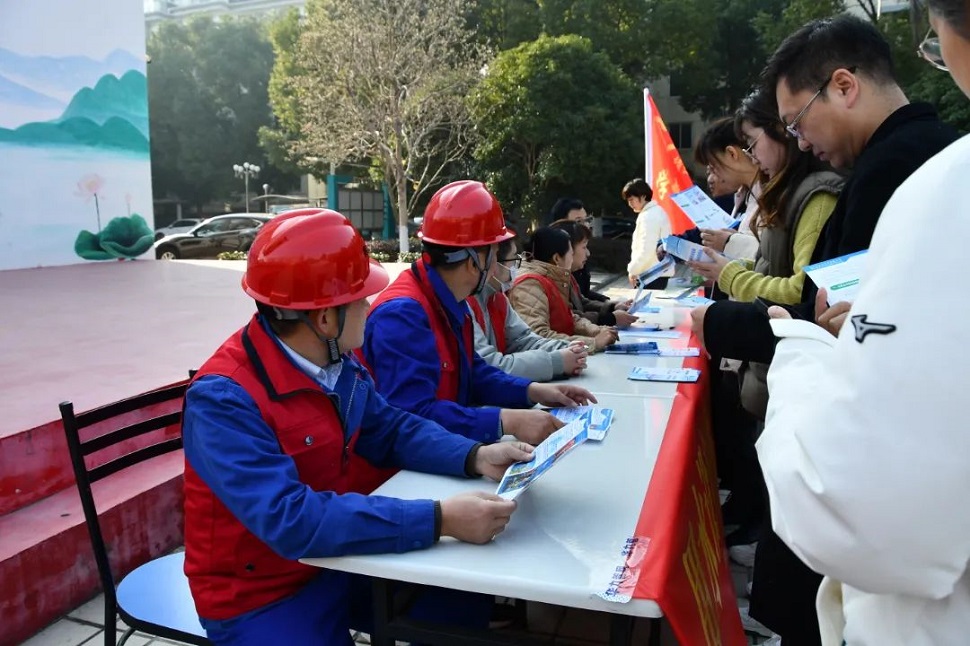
(773,27)
(207,92)
(503,24)
(555,117)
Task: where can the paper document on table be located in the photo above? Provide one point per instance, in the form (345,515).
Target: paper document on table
(643,347)
(680,352)
(652,332)
(692,301)
(686,375)
(600,419)
(519,476)
(702,210)
(841,277)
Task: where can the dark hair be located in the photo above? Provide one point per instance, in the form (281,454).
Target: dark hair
(759,110)
(506,246)
(563,206)
(637,188)
(956,13)
(577,230)
(437,253)
(715,140)
(547,242)
(810,55)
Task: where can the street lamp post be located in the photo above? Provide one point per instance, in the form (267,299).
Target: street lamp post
(246,170)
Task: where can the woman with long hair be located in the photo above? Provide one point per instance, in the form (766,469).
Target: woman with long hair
(795,204)
(721,151)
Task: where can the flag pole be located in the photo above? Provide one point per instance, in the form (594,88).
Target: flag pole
(647,136)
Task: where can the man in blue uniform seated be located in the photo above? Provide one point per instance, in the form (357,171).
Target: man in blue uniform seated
(419,341)
(283,432)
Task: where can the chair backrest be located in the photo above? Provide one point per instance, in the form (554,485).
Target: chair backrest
(123,422)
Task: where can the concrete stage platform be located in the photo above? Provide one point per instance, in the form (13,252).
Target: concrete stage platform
(92,334)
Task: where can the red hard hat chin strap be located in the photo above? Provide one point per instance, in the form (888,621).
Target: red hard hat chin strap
(333,349)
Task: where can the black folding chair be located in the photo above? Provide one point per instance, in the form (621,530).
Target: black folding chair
(154,598)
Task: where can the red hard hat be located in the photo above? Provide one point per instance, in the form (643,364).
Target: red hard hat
(464,214)
(310,259)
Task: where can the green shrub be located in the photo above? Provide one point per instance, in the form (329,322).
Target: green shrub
(232,255)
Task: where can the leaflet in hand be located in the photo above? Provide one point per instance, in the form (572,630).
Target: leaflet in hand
(655,272)
(688,375)
(702,210)
(841,277)
(600,419)
(519,476)
(685,249)
(640,300)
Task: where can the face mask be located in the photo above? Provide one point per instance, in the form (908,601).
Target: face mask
(505,287)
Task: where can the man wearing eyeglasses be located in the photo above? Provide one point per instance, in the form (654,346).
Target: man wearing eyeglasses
(837,94)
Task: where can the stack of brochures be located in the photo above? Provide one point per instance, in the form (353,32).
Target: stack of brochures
(521,475)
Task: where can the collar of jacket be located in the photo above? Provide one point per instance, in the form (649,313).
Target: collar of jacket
(911,112)
(555,272)
(456,311)
(275,370)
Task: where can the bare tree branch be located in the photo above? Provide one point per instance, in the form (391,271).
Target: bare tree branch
(386,80)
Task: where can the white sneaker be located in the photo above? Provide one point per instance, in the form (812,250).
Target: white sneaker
(752,625)
(743,554)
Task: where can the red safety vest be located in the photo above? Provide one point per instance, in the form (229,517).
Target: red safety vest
(414,284)
(560,314)
(498,313)
(230,570)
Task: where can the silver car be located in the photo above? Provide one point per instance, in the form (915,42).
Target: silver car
(179,226)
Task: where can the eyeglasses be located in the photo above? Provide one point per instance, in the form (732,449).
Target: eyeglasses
(930,51)
(514,262)
(792,128)
(749,151)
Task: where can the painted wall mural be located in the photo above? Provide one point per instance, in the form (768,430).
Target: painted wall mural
(75,171)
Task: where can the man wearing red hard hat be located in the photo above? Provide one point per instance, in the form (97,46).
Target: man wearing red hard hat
(283,428)
(419,344)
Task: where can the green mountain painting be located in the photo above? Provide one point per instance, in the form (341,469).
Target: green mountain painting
(113,115)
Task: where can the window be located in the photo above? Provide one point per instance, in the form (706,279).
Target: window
(184,223)
(216,226)
(682,135)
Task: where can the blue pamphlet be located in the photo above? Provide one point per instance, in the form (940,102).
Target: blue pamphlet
(687,375)
(645,347)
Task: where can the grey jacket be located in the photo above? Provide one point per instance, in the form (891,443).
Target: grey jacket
(528,355)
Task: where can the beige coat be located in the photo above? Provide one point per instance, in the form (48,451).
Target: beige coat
(529,300)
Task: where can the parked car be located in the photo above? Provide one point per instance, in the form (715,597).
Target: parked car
(232,232)
(179,226)
(618,227)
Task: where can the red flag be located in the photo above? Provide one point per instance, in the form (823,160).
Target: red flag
(666,172)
